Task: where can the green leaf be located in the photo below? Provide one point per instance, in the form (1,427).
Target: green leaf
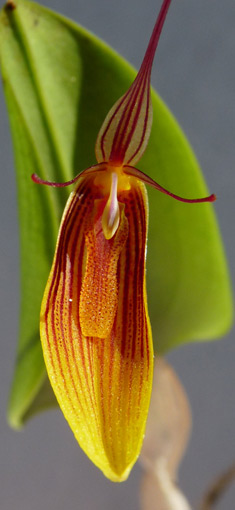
(60,81)
(188,282)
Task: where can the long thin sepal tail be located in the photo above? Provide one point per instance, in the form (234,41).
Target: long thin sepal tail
(124,135)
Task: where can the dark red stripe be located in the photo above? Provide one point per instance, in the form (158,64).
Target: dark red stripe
(102,142)
(141,92)
(117,151)
(60,263)
(145,125)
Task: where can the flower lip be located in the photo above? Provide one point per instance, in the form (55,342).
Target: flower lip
(95,329)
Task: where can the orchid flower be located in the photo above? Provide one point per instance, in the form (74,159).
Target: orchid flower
(95,329)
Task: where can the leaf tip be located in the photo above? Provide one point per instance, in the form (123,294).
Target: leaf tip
(13,420)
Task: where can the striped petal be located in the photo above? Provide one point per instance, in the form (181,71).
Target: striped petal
(100,360)
(125,132)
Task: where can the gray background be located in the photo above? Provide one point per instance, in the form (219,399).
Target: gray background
(194,72)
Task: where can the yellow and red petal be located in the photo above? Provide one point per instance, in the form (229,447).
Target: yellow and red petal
(103,384)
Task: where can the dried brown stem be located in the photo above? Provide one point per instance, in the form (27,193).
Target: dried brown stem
(216,491)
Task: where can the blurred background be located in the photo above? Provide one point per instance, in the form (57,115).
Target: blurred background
(42,467)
